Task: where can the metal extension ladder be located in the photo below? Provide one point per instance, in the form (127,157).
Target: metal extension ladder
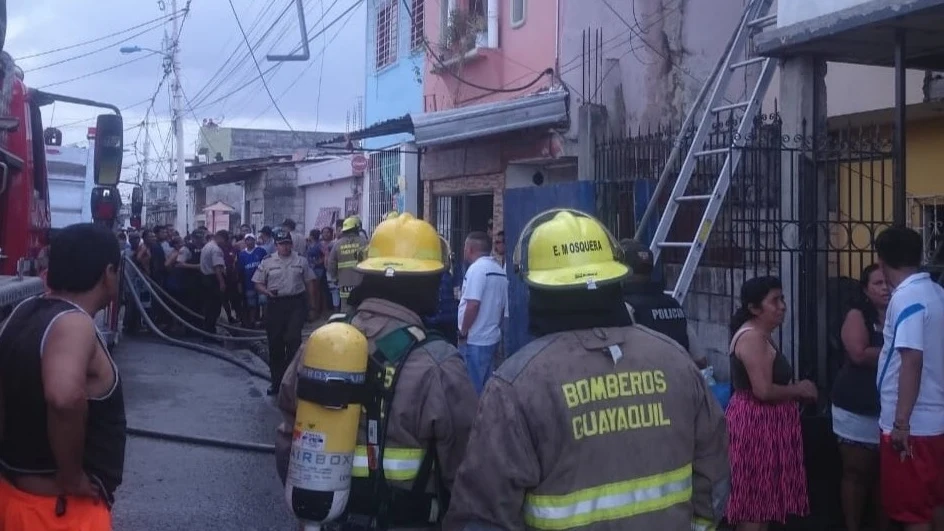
(737,56)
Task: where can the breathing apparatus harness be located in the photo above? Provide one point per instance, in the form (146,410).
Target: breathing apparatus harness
(374,503)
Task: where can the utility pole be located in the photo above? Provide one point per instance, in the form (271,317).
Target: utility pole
(144,172)
(178,123)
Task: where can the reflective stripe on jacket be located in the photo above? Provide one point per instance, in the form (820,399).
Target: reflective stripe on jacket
(342,260)
(604,429)
(399,464)
(434,402)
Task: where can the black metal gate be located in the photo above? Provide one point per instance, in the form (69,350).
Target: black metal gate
(801,208)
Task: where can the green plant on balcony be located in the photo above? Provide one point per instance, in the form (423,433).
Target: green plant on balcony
(462,33)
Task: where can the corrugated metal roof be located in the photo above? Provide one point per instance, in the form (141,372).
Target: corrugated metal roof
(486,119)
(391,126)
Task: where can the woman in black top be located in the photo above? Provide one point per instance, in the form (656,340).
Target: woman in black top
(768,479)
(855,396)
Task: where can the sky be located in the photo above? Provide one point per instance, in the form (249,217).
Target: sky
(316,94)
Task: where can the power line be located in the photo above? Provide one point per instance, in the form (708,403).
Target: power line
(445,68)
(84,120)
(162,18)
(321,62)
(271,68)
(93,52)
(250,69)
(236,56)
(95,73)
(192,113)
(251,74)
(258,68)
(309,66)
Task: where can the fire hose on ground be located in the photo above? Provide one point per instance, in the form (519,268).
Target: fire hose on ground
(203,349)
(183,307)
(187,324)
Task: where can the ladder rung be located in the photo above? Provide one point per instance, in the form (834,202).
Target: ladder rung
(675,245)
(692,198)
(669,292)
(763,22)
(749,62)
(708,152)
(731,107)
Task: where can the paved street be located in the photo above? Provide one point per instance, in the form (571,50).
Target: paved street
(171,486)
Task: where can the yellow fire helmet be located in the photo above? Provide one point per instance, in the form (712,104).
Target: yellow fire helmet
(568,249)
(390,215)
(351,222)
(403,245)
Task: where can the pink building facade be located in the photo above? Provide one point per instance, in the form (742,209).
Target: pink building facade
(494,109)
(524,47)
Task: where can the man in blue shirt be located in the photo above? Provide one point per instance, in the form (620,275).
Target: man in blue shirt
(247,263)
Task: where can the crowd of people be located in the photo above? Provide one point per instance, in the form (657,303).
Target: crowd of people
(541,441)
(887,401)
(203,270)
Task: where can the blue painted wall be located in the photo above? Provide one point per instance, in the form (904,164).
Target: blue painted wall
(522,204)
(396,89)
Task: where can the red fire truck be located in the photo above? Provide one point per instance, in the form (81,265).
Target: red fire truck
(24,190)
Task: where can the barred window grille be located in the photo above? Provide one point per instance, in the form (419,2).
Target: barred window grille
(933,228)
(417,26)
(385,174)
(386,33)
(351,206)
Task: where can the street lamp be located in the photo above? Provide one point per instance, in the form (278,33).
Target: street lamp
(171,57)
(136,49)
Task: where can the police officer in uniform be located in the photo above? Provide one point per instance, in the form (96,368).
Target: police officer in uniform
(650,306)
(342,260)
(596,424)
(285,278)
(419,381)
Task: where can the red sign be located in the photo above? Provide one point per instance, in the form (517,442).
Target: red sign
(359,163)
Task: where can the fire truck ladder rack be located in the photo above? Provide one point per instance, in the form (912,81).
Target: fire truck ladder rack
(708,105)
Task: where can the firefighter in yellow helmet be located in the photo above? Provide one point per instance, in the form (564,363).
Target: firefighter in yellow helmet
(341,262)
(417,420)
(596,424)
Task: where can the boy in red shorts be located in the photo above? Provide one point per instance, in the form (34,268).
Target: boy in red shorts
(911,385)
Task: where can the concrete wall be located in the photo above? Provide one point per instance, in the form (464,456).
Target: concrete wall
(328,184)
(858,88)
(644,79)
(523,52)
(329,194)
(793,11)
(238,144)
(396,89)
(273,196)
(653,75)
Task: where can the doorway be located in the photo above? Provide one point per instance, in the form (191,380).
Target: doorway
(457,216)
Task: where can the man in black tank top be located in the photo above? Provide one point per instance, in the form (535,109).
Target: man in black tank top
(62,416)
(648,304)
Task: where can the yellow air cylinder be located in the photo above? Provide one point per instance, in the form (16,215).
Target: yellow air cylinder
(332,375)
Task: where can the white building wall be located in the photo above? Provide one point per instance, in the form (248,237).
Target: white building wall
(325,195)
(326,185)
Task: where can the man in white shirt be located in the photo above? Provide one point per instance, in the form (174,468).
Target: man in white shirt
(911,386)
(482,307)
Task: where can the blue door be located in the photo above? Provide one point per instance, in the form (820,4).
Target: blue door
(522,204)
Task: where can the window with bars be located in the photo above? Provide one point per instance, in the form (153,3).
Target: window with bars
(386,33)
(417,25)
(517,12)
(385,174)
